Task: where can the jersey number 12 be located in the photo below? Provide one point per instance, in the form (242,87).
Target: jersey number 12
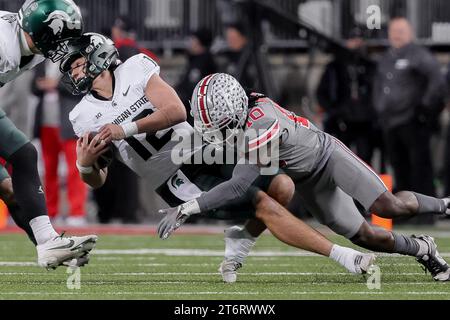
(155,142)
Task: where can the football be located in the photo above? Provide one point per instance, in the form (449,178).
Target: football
(105,159)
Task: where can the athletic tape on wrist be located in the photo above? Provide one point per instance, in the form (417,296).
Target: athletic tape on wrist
(84,170)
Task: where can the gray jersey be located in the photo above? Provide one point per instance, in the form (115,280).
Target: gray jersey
(303,148)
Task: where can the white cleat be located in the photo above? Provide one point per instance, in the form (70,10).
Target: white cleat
(69,251)
(228,270)
(77,262)
(363,262)
(237,247)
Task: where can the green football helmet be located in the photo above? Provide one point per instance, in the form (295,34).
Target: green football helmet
(51,24)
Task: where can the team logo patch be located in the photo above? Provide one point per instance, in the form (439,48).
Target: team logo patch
(176,181)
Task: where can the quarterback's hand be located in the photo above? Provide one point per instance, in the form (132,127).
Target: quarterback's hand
(111,132)
(173,219)
(88,152)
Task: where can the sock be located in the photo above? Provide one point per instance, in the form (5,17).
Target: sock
(430,204)
(238,247)
(409,246)
(42,229)
(344,256)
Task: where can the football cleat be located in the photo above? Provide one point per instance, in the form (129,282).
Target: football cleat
(69,251)
(228,270)
(237,248)
(363,262)
(77,262)
(432,261)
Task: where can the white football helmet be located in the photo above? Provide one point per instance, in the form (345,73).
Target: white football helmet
(219,106)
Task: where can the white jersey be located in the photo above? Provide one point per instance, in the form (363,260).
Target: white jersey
(147,155)
(13,60)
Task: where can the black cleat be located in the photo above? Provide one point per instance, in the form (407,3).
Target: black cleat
(432,261)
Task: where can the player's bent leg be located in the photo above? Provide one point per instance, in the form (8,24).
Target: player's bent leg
(239,241)
(381,240)
(288,228)
(7,195)
(53,250)
(296,233)
(281,189)
(26,182)
(29,210)
(407,204)
(360,182)
(423,248)
(374,239)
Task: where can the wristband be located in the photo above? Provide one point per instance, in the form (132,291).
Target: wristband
(190,207)
(84,170)
(130,129)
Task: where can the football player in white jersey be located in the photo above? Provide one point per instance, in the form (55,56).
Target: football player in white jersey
(42,29)
(132,106)
(330,178)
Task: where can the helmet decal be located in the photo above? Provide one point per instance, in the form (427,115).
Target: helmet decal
(58,18)
(219,103)
(50,22)
(96,41)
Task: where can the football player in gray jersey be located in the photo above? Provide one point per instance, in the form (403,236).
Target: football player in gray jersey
(330,178)
(93,68)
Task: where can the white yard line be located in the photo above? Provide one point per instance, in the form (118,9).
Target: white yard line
(214,273)
(17,264)
(250,274)
(219,253)
(415,293)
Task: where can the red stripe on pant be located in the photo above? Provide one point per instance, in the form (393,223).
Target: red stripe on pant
(52,146)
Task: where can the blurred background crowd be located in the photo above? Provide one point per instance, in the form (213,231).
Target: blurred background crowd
(382,91)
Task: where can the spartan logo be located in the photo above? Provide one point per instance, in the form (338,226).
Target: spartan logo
(96,41)
(176,181)
(58,17)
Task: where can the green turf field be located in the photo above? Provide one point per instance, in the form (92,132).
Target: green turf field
(142,267)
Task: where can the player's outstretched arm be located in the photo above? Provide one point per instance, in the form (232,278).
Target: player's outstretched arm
(237,187)
(87,154)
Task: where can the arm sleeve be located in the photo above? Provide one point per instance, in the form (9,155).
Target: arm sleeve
(243,177)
